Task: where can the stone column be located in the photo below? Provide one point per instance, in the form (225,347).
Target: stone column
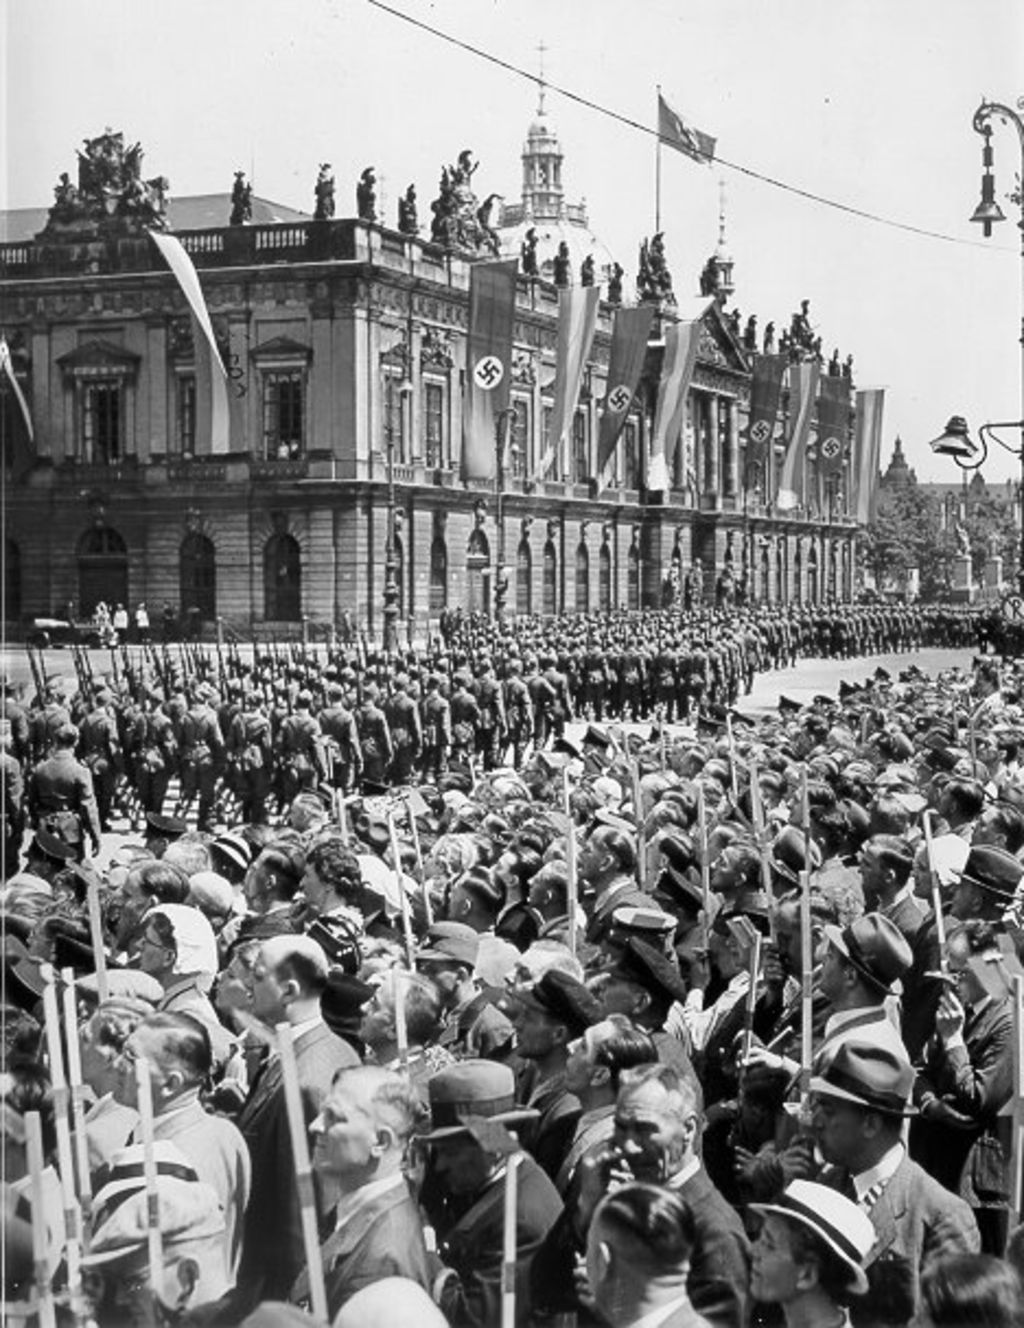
(732,473)
(712,406)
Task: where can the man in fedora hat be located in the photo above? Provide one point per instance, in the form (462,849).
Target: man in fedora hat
(986,886)
(470,1102)
(859,1100)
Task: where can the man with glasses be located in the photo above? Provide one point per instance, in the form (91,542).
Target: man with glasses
(179,949)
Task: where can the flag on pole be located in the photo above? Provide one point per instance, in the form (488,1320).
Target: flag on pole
(833,421)
(22,449)
(681,340)
(803,389)
(765,391)
(185,274)
(674,132)
(577,321)
(492,306)
(625,365)
(867,447)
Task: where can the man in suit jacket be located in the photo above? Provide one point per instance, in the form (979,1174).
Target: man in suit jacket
(860,1100)
(607,863)
(360,1141)
(288,978)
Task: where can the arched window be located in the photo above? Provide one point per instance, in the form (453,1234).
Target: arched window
(102,570)
(282,579)
(438,575)
(798,574)
(550,597)
(633,578)
(12,581)
(604,578)
(197,568)
(524,578)
(478,573)
(582,579)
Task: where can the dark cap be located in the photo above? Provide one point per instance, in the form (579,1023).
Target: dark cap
(649,968)
(993,870)
(167,827)
(565,1000)
(52,846)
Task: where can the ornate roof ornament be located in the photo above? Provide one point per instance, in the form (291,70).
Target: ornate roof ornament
(111,197)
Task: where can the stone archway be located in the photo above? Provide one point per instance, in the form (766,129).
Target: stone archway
(478,573)
(102,570)
(197,575)
(282,579)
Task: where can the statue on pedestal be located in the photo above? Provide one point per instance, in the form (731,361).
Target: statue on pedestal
(562,265)
(848,368)
(458,220)
(801,333)
(241,201)
(408,220)
(834,367)
(366,195)
(587,271)
(528,253)
(750,334)
(324,193)
(615,284)
(768,346)
(654,281)
(709,277)
(963,540)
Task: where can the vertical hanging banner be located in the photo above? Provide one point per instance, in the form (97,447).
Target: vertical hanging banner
(577,322)
(867,447)
(492,307)
(803,390)
(188,279)
(765,392)
(625,365)
(833,424)
(681,341)
(22,447)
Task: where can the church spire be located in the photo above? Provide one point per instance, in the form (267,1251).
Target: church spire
(723,259)
(543,195)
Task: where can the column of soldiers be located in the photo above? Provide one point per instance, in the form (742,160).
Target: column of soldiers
(226,738)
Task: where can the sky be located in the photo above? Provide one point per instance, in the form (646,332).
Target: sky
(867,103)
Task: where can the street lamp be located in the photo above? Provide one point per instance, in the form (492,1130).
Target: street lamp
(986,214)
(390,548)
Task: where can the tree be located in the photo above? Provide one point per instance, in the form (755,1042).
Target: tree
(903,535)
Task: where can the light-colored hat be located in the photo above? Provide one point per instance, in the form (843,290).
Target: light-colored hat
(212,893)
(194,941)
(844,1227)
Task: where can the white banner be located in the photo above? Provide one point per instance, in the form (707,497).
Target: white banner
(187,277)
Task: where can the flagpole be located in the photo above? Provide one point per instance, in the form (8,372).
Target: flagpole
(657,163)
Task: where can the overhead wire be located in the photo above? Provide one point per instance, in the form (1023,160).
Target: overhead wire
(601,109)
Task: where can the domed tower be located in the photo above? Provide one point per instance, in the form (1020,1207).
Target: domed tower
(543,209)
(716,279)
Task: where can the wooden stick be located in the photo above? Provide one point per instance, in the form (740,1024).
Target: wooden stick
(77,1088)
(731,744)
(806,950)
(303,1171)
(757,819)
(428,910)
(1017,1109)
(508,1259)
(936,891)
(65,1162)
(45,1307)
(572,882)
(96,934)
(153,1238)
(401,1027)
(702,847)
(751,1003)
(403,898)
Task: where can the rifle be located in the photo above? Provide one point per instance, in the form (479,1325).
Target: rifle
(38,674)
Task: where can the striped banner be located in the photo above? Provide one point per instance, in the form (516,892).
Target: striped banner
(681,341)
(22,451)
(492,307)
(188,279)
(625,365)
(577,322)
(803,391)
(867,447)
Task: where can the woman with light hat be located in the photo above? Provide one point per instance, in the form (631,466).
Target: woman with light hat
(810,1253)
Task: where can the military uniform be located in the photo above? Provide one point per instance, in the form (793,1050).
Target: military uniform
(99,748)
(251,755)
(437,731)
(202,751)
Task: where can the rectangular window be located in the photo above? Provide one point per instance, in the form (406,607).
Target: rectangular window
(187,414)
(545,441)
(580,471)
(433,413)
(102,440)
(631,456)
(518,436)
(394,417)
(283,414)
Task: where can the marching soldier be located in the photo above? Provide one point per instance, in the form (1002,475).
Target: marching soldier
(60,787)
(491,726)
(251,754)
(465,718)
(298,745)
(374,736)
(338,725)
(99,749)
(518,712)
(202,751)
(403,719)
(156,748)
(12,811)
(437,730)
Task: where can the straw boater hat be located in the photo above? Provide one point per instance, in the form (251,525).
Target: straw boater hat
(843,1226)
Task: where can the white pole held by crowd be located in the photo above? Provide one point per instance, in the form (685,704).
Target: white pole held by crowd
(303,1171)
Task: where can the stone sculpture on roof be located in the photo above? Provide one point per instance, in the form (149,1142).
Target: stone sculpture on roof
(111,196)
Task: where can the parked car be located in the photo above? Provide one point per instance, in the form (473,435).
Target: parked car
(47,632)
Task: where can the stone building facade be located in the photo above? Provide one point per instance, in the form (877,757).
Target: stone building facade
(344,343)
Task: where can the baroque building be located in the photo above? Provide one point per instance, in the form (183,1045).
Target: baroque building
(344,344)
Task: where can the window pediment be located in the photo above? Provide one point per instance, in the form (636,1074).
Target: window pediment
(281,350)
(100,359)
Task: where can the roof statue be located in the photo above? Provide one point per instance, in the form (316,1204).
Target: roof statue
(615,284)
(241,201)
(323,192)
(562,265)
(528,253)
(111,196)
(587,271)
(459,220)
(654,281)
(366,195)
(408,215)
